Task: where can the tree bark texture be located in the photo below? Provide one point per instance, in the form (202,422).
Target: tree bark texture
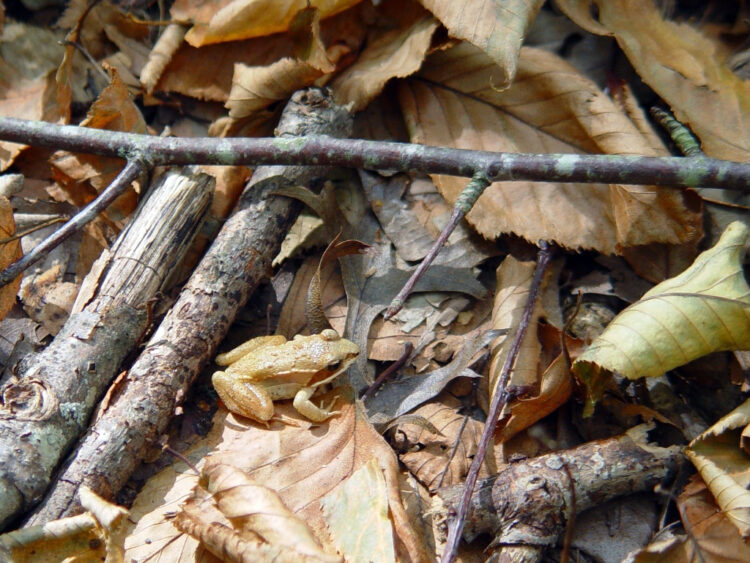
(527,506)
(47,406)
(238,260)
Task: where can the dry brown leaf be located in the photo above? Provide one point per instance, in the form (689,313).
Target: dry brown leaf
(9,252)
(152,532)
(513,282)
(711,536)
(497,28)
(29,56)
(302,463)
(206,73)
(682,65)
(396,53)
(550,108)
(554,389)
(304,30)
(114,110)
(160,56)
(257,87)
(231,20)
(430,457)
(257,509)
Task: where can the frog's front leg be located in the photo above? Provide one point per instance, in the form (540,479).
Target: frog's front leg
(244,398)
(307,408)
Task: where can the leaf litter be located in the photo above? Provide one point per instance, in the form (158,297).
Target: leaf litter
(439,76)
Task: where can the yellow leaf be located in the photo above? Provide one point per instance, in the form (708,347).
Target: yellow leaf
(725,467)
(705,309)
(357,515)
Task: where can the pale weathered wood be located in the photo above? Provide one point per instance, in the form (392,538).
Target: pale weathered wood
(47,407)
(238,260)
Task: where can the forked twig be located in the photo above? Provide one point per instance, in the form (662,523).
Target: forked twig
(132,170)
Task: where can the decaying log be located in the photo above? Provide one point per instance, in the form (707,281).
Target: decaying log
(238,260)
(527,506)
(48,405)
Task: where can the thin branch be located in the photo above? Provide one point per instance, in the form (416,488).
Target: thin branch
(466,200)
(499,400)
(133,169)
(377,155)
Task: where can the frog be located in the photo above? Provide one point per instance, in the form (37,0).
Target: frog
(270,368)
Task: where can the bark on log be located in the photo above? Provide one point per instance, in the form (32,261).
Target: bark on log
(47,407)
(527,506)
(238,260)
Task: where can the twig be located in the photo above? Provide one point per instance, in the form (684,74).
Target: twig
(34,228)
(527,506)
(464,203)
(499,400)
(133,169)
(388,372)
(379,155)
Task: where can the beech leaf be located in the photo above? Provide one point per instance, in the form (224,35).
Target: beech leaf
(704,309)
(357,515)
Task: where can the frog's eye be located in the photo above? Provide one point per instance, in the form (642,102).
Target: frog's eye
(333,366)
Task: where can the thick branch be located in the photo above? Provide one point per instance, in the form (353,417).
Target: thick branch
(527,506)
(46,409)
(237,261)
(376,155)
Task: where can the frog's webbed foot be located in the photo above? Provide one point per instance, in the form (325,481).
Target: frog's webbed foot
(245,399)
(307,408)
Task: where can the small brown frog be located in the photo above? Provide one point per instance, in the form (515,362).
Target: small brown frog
(268,368)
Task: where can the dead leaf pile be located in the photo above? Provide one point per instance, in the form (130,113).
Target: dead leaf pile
(571,77)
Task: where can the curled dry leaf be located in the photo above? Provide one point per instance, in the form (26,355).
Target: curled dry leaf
(254,88)
(722,462)
(251,507)
(231,20)
(397,53)
(682,65)
(160,56)
(302,463)
(96,535)
(545,381)
(497,28)
(705,309)
(549,108)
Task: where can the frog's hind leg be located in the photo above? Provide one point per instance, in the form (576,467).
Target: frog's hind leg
(246,399)
(307,408)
